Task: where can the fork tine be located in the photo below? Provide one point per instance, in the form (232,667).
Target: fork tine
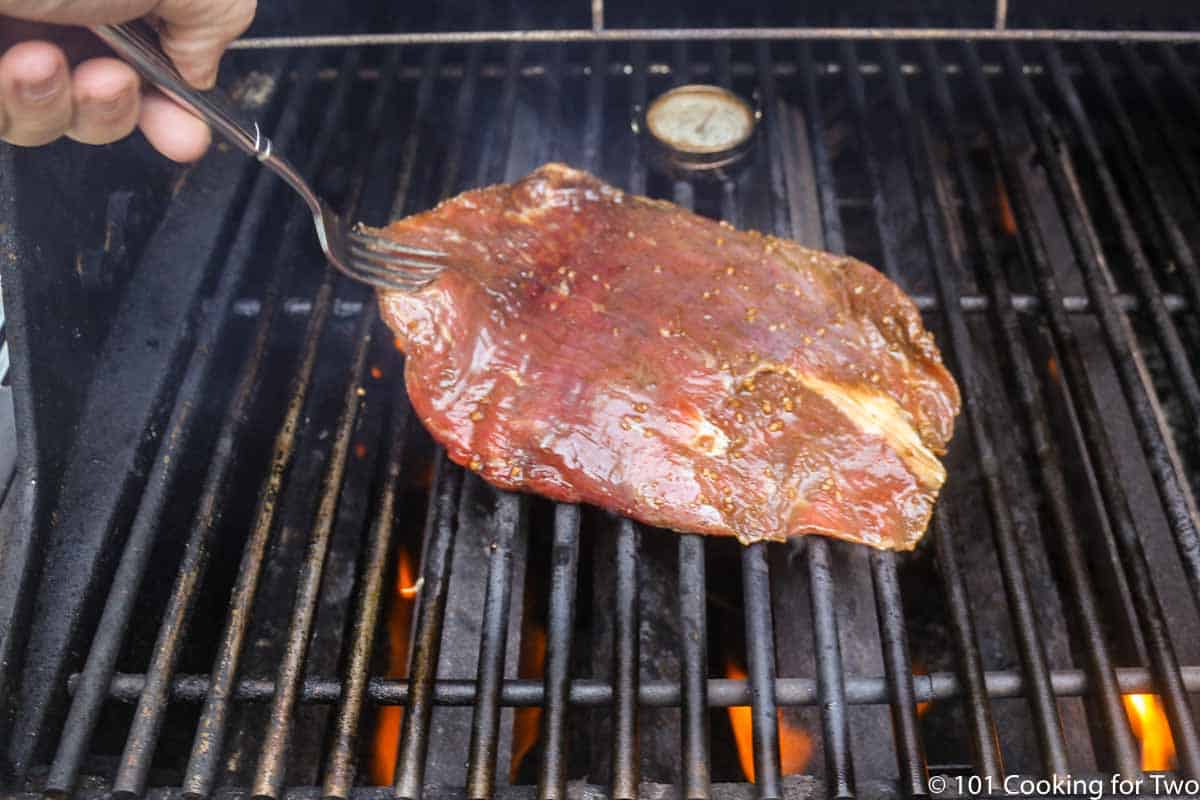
(390,281)
(381,270)
(383,266)
(378,283)
(383,244)
(398,263)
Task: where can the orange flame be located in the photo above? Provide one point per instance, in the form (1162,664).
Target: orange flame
(1149,722)
(388,719)
(795,746)
(376,373)
(922,706)
(1008,223)
(527,722)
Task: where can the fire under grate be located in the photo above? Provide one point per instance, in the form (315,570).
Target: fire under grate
(298,561)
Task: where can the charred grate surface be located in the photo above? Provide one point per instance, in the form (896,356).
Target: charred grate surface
(298,557)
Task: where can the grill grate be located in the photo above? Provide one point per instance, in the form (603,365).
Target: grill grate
(1067,303)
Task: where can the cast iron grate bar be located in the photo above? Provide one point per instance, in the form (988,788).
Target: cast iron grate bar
(210,735)
(1139,263)
(625,762)
(830,677)
(552,783)
(780,154)
(1135,561)
(92,686)
(270,772)
(143,736)
(722,692)
(1188,172)
(978,706)
(1017,584)
(1179,74)
(435,579)
(1164,462)
(409,782)
(555,75)
(1132,556)
(1100,663)
(760,669)
(341,768)
(4,358)
(637,90)
(893,630)
(462,114)
(478,35)
(1148,415)
(1136,172)
(481,770)
(1026,623)
(693,639)
(1067,345)
(510,510)
(1010,334)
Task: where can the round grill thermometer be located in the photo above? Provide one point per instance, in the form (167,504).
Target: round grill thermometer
(700,129)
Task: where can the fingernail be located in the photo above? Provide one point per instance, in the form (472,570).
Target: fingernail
(39,91)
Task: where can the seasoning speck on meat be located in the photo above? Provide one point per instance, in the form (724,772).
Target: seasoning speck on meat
(692,376)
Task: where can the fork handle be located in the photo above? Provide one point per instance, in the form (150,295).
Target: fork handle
(139,46)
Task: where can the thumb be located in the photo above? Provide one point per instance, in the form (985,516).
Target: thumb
(194,33)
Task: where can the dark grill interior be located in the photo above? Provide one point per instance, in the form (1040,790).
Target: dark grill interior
(216,600)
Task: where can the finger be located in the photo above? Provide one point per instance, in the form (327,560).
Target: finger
(195,34)
(107,101)
(76,13)
(35,90)
(172,131)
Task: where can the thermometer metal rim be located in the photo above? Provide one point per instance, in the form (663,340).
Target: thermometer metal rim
(694,89)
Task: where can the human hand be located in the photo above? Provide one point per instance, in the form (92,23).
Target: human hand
(50,88)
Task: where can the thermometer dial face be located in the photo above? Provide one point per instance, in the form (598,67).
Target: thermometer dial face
(702,120)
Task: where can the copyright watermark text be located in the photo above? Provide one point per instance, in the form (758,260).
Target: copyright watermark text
(1093,788)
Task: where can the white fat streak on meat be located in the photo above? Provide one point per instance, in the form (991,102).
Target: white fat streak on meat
(876,413)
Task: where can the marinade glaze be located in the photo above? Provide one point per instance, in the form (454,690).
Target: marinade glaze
(595,346)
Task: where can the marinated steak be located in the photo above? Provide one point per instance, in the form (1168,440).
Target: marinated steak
(594,346)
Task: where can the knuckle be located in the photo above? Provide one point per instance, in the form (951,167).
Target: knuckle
(235,17)
(243,15)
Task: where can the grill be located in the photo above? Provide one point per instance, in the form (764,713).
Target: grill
(203,589)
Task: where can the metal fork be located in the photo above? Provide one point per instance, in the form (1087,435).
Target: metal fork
(358,254)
